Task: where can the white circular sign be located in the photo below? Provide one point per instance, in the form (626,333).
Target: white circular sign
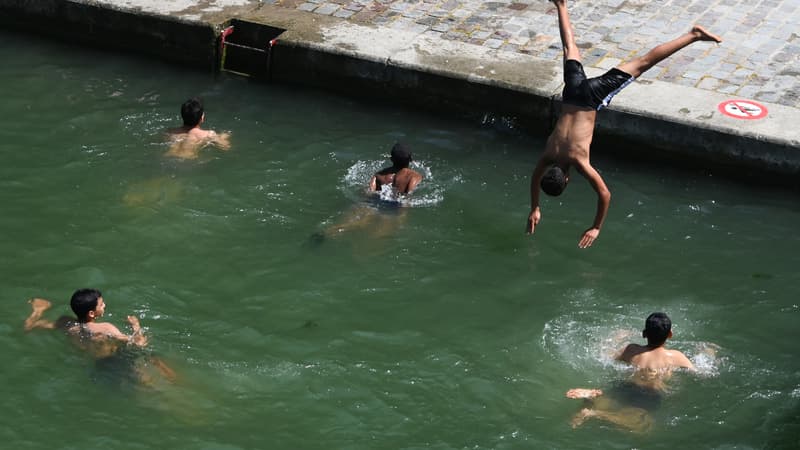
(743,109)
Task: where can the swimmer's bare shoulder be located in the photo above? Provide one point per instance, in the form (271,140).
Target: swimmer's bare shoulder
(659,358)
(630,350)
(407,180)
(187,144)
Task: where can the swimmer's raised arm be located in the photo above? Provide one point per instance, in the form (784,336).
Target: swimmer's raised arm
(625,353)
(136,338)
(373,183)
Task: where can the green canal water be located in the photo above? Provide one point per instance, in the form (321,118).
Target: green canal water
(439,325)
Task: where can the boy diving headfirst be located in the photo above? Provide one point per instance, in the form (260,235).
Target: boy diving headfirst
(569,143)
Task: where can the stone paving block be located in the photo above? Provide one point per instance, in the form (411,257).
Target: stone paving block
(693,75)
(427,21)
(768,96)
(519,41)
(728,89)
(790,97)
(493,43)
(343,13)
(608,63)
(327,9)
(307,6)
(441,27)
(709,83)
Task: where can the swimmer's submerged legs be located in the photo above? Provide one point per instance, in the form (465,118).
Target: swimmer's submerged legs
(636,420)
(597,406)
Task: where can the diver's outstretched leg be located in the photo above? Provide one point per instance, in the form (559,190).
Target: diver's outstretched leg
(642,64)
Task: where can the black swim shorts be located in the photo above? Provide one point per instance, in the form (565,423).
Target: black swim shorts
(595,93)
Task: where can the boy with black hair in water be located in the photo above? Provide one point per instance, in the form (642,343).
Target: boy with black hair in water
(102,340)
(399,176)
(627,404)
(190,138)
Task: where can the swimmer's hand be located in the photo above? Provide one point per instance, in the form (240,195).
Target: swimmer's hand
(709,349)
(222,140)
(137,338)
(533,220)
(134,321)
(588,237)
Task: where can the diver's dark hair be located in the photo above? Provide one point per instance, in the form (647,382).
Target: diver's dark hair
(83,301)
(554,181)
(657,328)
(401,155)
(192,112)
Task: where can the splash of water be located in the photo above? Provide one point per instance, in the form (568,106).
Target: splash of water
(429,193)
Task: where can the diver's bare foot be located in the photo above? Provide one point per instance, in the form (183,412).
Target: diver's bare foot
(581,417)
(584,393)
(559,2)
(702,35)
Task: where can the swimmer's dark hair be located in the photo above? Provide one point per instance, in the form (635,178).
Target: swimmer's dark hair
(656,329)
(84,301)
(192,112)
(554,181)
(401,155)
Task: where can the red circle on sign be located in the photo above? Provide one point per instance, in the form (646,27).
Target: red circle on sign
(743,109)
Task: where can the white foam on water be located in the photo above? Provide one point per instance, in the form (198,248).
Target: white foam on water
(588,338)
(706,360)
(148,124)
(582,345)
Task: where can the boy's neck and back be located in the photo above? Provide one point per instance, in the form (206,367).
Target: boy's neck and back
(403,179)
(646,357)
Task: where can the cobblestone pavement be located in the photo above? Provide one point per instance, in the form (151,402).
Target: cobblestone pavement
(759,58)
